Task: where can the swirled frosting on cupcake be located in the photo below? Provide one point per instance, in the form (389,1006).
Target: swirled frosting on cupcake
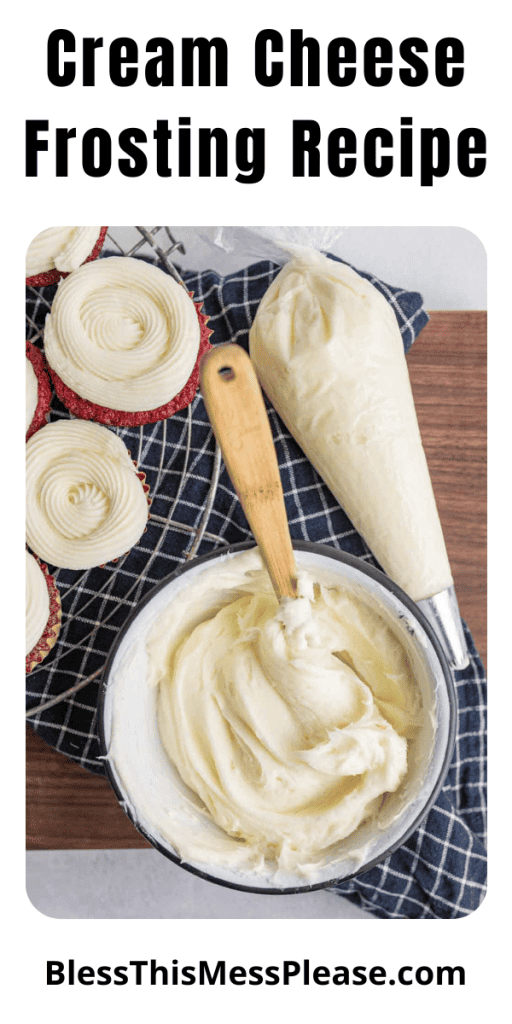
(122,334)
(37,601)
(61,248)
(85,501)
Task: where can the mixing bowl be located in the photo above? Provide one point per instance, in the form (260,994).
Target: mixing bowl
(151,791)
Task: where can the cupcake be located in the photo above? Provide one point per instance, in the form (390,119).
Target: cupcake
(57,251)
(38,390)
(86,504)
(43,612)
(123,342)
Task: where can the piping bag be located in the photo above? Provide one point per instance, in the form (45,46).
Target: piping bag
(328,352)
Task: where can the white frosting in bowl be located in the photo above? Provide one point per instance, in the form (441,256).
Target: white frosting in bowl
(85,502)
(289,722)
(61,248)
(274,747)
(122,334)
(329,355)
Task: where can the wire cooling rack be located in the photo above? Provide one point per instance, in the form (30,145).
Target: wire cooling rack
(89,591)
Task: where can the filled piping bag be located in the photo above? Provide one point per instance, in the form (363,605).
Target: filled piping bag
(328,353)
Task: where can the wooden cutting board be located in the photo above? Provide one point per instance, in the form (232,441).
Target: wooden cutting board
(70,809)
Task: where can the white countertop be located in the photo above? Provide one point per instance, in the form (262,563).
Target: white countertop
(119,884)
(447,265)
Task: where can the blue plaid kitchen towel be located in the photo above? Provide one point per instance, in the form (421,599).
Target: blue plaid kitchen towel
(440,871)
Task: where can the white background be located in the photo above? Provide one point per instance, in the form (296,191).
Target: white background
(480,206)
(447,264)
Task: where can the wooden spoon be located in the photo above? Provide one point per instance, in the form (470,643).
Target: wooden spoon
(235,405)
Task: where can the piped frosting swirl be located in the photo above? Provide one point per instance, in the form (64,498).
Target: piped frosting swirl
(85,501)
(60,248)
(122,334)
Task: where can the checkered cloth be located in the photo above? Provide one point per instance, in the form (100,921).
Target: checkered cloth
(440,870)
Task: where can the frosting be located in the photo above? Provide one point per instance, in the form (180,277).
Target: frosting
(85,501)
(122,334)
(37,602)
(328,353)
(30,393)
(62,248)
(288,723)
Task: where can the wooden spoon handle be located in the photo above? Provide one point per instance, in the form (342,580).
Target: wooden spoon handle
(235,405)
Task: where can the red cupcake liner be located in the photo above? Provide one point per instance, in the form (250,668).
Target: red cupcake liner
(86,410)
(145,486)
(44,391)
(51,630)
(53,276)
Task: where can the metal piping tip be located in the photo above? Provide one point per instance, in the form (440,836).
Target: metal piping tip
(442,611)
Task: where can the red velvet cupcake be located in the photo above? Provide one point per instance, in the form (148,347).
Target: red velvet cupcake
(43,612)
(54,253)
(123,343)
(86,501)
(38,390)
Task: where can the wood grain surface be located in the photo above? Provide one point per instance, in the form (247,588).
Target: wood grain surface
(68,808)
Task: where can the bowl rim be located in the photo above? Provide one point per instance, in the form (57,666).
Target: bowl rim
(378,576)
